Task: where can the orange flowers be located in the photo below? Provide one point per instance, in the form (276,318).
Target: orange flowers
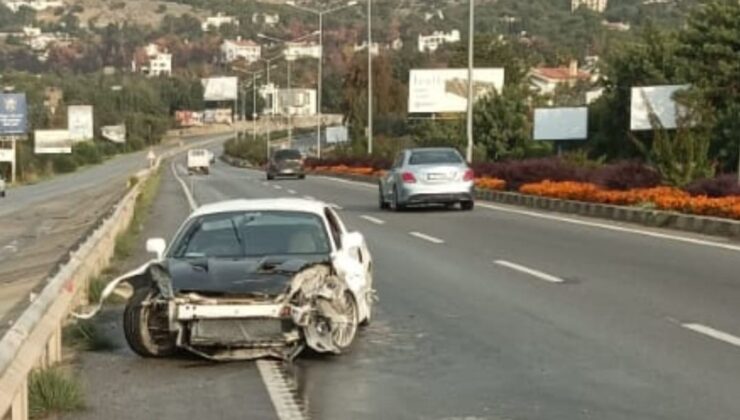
(663,198)
(490,184)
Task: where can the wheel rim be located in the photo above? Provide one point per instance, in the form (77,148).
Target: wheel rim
(346,328)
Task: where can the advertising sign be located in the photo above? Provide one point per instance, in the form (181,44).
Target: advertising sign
(80,122)
(337,134)
(13,113)
(561,123)
(654,99)
(217,116)
(188,118)
(49,142)
(220,89)
(446,90)
(114,133)
(7,155)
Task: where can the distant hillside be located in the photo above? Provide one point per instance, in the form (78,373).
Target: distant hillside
(100,13)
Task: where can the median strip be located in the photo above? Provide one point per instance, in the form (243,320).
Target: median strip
(427,238)
(711,332)
(372,219)
(526,270)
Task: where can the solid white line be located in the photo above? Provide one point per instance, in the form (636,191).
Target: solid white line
(291,192)
(711,332)
(372,219)
(346,181)
(615,228)
(522,269)
(428,238)
(188,194)
(282,393)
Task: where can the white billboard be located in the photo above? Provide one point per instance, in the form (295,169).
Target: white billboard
(654,99)
(49,142)
(114,133)
(7,155)
(220,89)
(446,90)
(561,123)
(80,122)
(338,134)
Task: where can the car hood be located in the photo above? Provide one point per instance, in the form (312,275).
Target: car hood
(268,276)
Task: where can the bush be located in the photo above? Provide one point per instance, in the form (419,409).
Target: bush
(86,153)
(625,176)
(721,186)
(63,164)
(519,172)
(53,391)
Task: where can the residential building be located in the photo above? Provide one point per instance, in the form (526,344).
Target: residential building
(430,43)
(41,42)
(232,50)
(215,22)
(374,49)
(597,6)
(37,5)
(152,61)
(295,50)
(268,19)
(396,44)
(616,26)
(297,102)
(546,79)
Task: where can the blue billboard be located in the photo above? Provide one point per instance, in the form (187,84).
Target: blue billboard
(13,113)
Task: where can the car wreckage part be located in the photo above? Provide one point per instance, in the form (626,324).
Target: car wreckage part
(146,325)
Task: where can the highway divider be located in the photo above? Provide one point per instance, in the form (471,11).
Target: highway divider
(35,338)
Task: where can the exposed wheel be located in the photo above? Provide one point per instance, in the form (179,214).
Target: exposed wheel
(467,205)
(145,326)
(395,204)
(344,331)
(382,204)
(270,176)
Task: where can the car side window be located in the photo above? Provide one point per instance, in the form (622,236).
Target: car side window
(334,226)
(399,161)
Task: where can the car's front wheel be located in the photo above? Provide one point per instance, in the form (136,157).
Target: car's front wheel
(467,205)
(146,326)
(344,332)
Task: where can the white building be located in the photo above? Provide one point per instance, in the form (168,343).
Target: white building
(215,22)
(295,50)
(430,43)
(597,6)
(616,26)
(374,50)
(297,102)
(152,61)
(546,79)
(37,5)
(268,19)
(232,50)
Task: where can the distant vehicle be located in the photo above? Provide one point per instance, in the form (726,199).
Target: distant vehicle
(427,176)
(247,279)
(199,161)
(211,157)
(286,162)
(2,187)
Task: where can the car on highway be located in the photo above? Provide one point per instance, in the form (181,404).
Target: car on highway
(427,176)
(199,161)
(246,279)
(211,157)
(3,187)
(286,162)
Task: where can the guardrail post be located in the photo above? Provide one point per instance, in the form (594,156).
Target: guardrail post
(54,347)
(19,409)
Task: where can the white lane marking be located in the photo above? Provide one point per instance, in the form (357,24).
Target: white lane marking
(346,181)
(372,219)
(711,332)
(188,194)
(277,187)
(614,228)
(291,192)
(309,197)
(428,238)
(282,393)
(535,273)
(336,206)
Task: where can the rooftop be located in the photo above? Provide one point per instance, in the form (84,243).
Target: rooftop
(269,204)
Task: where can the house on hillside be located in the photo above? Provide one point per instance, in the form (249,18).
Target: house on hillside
(430,43)
(269,19)
(297,102)
(215,22)
(152,61)
(232,50)
(296,50)
(374,49)
(37,5)
(597,6)
(546,79)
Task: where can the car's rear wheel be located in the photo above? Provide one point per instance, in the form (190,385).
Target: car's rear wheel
(145,326)
(382,204)
(467,205)
(395,204)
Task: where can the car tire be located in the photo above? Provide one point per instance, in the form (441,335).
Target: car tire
(382,204)
(467,205)
(142,327)
(2,194)
(270,177)
(303,176)
(395,205)
(344,342)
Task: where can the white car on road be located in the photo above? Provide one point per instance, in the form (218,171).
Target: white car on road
(247,279)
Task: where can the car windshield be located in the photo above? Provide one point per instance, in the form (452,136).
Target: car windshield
(252,234)
(430,157)
(287,155)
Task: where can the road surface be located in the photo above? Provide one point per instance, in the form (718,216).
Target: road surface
(499,313)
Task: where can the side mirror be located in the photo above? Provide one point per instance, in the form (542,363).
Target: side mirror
(156,246)
(352,240)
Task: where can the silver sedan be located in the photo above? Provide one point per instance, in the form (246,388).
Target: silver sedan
(427,176)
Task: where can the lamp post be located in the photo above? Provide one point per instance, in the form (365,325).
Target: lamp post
(369,77)
(320,14)
(471,36)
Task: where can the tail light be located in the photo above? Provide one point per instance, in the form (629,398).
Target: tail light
(408,178)
(469,175)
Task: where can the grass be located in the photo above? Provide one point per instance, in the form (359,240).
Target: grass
(86,335)
(53,391)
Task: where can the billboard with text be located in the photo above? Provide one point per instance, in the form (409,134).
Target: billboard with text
(51,142)
(446,90)
(13,114)
(80,122)
(220,89)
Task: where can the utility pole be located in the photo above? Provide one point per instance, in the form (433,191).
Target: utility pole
(254,107)
(369,77)
(290,108)
(471,64)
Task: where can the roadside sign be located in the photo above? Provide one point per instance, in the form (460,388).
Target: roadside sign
(13,113)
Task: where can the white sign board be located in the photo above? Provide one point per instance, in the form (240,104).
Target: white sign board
(48,142)
(80,122)
(114,133)
(7,155)
(561,123)
(220,89)
(337,134)
(656,99)
(446,90)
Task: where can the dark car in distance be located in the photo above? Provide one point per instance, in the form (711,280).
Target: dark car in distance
(286,163)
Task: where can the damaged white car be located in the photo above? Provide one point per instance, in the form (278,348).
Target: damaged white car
(248,279)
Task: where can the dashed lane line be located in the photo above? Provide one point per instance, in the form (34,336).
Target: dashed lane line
(713,333)
(372,219)
(427,238)
(532,272)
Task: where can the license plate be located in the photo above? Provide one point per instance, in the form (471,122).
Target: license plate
(436,177)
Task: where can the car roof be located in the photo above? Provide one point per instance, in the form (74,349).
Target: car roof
(431,149)
(269,204)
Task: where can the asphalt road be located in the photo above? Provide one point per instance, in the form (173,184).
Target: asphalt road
(499,313)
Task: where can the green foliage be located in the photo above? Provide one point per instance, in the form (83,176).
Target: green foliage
(86,334)
(253,151)
(53,391)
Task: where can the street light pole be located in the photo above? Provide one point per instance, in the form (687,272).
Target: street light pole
(471,36)
(290,108)
(254,107)
(369,77)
